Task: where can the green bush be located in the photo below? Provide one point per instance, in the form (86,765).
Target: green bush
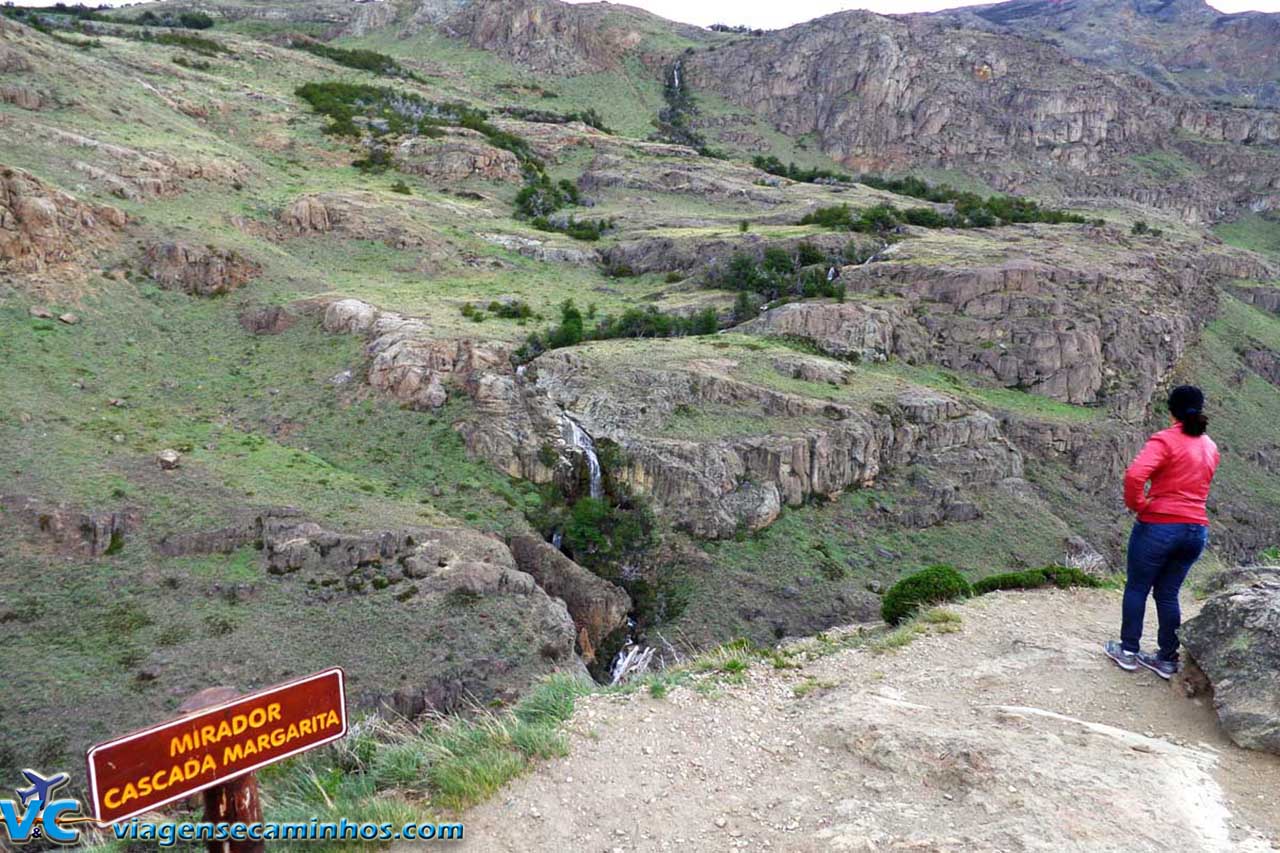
(579,229)
(934,585)
(774,166)
(364,60)
(1059,576)
(780,275)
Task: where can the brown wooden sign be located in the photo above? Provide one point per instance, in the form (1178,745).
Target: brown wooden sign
(149,768)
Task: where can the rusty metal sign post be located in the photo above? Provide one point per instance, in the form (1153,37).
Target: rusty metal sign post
(215,749)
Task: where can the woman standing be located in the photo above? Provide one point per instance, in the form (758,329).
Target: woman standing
(1171,532)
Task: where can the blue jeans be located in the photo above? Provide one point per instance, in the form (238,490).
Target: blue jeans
(1160,555)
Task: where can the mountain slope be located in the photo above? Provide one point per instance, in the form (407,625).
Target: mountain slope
(1183,45)
(887,94)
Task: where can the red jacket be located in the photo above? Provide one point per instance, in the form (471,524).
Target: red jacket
(1180,468)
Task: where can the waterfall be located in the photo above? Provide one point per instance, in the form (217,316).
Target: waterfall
(557,540)
(578,439)
(675,75)
(520,370)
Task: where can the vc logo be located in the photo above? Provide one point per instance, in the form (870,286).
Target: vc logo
(41,816)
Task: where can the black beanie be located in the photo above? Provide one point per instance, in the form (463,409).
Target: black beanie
(1185,401)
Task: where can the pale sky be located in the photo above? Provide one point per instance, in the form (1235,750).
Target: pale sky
(772,14)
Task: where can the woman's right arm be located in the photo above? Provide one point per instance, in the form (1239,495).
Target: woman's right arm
(1151,457)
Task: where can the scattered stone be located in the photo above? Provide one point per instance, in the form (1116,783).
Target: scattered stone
(69,318)
(169,459)
(40,311)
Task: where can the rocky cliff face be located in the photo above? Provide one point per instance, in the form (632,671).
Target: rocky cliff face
(886,94)
(550,36)
(804,448)
(1182,45)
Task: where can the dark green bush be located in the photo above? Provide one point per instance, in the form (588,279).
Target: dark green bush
(781,275)
(589,117)
(836,218)
(774,166)
(647,322)
(579,229)
(1059,576)
(934,585)
(364,60)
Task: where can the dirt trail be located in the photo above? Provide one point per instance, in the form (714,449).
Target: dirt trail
(1013,734)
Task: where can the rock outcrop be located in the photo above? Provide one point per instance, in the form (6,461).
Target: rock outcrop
(871,332)
(665,254)
(684,173)
(598,607)
(131,173)
(267,320)
(549,36)
(198,270)
(408,362)
(24,97)
(1100,331)
(43,227)
(76,531)
(1266,298)
(404,224)
(456,620)
(1235,640)
(457,156)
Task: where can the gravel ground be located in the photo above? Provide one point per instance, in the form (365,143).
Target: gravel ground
(1013,733)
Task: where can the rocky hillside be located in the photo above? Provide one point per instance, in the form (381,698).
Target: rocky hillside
(465,343)
(895,94)
(1185,46)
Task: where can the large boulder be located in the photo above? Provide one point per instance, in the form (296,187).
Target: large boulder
(198,270)
(598,607)
(1235,640)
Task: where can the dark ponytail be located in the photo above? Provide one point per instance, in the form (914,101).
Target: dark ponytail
(1186,404)
(1195,425)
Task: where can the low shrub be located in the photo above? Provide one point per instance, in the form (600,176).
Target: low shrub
(589,117)
(1059,576)
(781,274)
(647,322)
(774,166)
(590,230)
(934,585)
(364,60)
